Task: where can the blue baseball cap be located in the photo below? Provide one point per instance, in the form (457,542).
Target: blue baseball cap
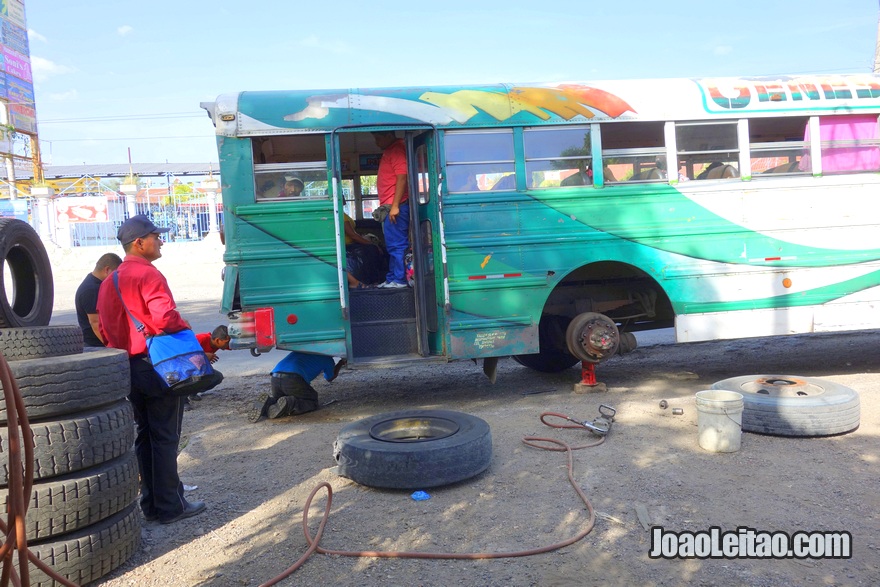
(137,227)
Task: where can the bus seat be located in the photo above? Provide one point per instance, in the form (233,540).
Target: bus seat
(784,168)
(576,178)
(647,175)
(722,172)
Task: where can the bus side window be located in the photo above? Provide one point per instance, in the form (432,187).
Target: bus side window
(290,168)
(633,152)
(849,143)
(557,156)
(486,156)
(776,145)
(704,146)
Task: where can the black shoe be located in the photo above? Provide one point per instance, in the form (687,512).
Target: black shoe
(191,509)
(280,408)
(151,517)
(259,407)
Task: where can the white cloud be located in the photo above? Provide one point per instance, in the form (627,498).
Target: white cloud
(124,30)
(43,69)
(67,96)
(35,36)
(722,50)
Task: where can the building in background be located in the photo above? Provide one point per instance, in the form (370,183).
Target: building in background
(19,146)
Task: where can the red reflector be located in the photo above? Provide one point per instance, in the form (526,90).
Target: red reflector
(292,319)
(497,276)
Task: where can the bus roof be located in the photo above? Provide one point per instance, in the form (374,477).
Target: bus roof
(451,107)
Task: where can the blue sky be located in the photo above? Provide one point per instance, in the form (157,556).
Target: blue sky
(111,76)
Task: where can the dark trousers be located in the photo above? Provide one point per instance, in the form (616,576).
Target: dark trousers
(295,387)
(159,417)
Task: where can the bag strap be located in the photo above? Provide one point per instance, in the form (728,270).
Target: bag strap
(138,325)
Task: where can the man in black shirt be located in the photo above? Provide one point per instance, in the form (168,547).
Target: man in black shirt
(86,298)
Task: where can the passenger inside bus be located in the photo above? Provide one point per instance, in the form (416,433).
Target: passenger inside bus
(366,261)
(293,187)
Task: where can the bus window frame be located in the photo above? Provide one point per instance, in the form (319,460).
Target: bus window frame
(509,131)
(691,158)
(300,169)
(586,159)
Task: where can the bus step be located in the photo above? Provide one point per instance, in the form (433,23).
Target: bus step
(369,305)
(382,338)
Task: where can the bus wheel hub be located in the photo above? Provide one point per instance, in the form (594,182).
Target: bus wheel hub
(592,337)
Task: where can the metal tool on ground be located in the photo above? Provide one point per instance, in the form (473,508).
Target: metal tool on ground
(600,425)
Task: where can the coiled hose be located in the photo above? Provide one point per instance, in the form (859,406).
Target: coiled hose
(542,443)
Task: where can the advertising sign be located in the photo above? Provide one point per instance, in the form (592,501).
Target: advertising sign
(80,209)
(14,63)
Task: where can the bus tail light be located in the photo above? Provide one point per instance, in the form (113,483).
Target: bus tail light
(253,330)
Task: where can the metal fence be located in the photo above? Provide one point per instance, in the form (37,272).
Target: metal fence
(92,218)
(187,221)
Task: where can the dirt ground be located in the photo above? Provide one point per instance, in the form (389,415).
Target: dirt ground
(255,478)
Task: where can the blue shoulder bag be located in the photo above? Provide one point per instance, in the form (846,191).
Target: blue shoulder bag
(177,357)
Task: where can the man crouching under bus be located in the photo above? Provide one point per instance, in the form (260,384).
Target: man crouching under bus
(292,393)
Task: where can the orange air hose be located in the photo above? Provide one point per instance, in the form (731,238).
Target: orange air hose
(533,441)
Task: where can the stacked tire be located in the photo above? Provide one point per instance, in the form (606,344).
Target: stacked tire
(82,518)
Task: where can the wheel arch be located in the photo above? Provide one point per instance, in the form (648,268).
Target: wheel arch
(622,291)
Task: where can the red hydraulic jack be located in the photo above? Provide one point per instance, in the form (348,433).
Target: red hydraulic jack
(588,383)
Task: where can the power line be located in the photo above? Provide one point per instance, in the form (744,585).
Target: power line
(205,136)
(124,117)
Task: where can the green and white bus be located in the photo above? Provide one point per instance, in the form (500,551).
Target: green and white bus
(550,221)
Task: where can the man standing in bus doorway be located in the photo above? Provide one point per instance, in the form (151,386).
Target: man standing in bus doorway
(392,187)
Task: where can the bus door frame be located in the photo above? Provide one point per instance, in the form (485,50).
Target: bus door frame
(414,136)
(414,139)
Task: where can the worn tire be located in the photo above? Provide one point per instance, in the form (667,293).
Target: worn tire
(38,342)
(69,445)
(32,290)
(785,405)
(552,362)
(69,384)
(73,502)
(91,553)
(413,449)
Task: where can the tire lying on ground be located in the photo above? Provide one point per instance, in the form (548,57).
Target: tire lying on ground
(72,502)
(56,386)
(413,449)
(786,405)
(90,553)
(38,342)
(72,444)
(31,290)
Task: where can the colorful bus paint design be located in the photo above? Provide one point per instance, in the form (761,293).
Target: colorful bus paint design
(539,204)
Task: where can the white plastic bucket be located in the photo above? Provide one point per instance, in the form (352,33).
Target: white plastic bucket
(719,419)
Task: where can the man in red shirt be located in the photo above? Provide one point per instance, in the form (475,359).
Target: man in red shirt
(391,183)
(158,414)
